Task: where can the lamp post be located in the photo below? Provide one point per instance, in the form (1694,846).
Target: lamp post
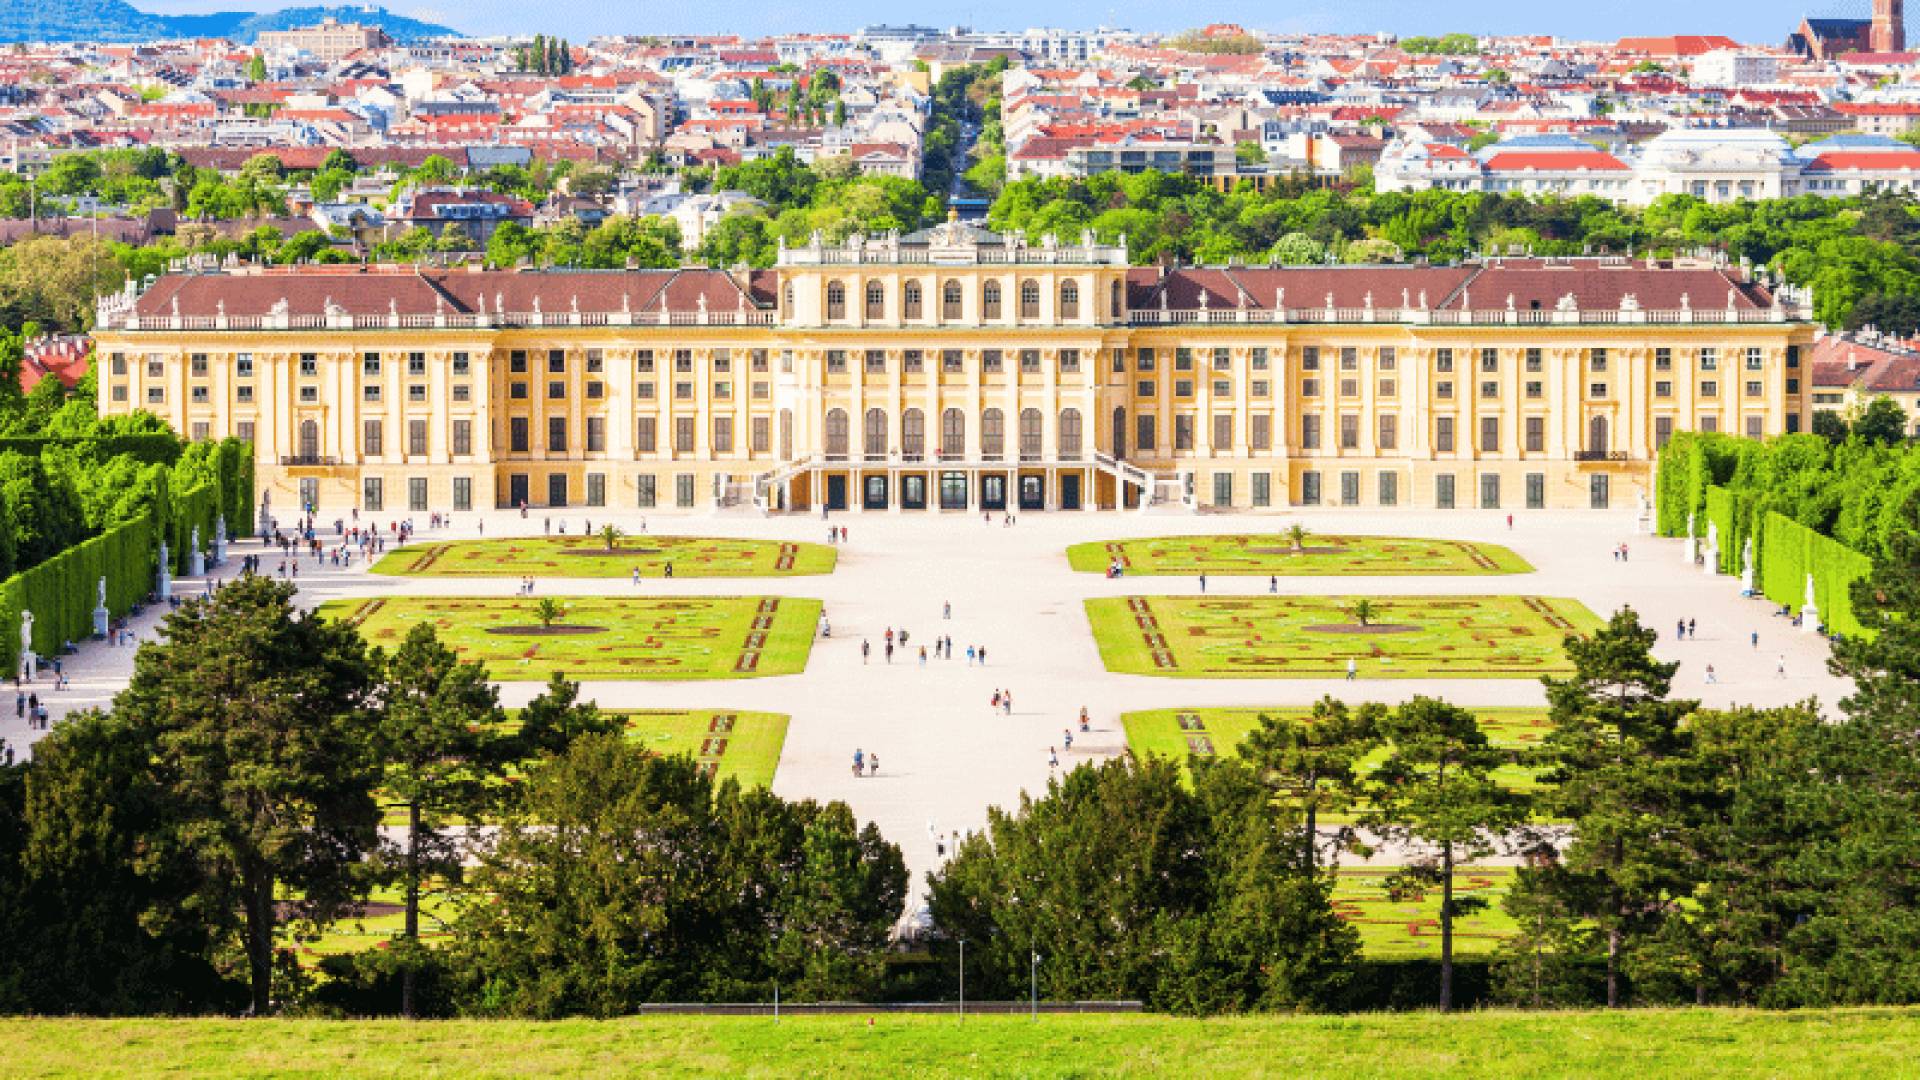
(1033,976)
(963,980)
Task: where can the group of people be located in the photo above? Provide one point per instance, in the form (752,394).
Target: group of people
(870,763)
(836,534)
(27,706)
(942,646)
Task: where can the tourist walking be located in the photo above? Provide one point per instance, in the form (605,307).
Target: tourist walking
(1711,677)
(1780,666)
(1203,582)
(1353,669)
(865,650)
(946,610)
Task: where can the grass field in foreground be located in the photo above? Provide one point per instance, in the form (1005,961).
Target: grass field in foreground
(1269,554)
(1716,1043)
(587,557)
(692,637)
(1314,636)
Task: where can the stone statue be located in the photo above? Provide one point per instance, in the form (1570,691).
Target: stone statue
(28,662)
(1746,568)
(196,559)
(220,541)
(163,588)
(1693,542)
(1711,563)
(101,616)
(1810,611)
(103,593)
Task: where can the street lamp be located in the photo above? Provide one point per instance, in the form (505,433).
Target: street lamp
(963,980)
(1033,975)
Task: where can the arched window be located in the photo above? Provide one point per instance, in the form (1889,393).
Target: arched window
(1030,434)
(910,301)
(1029,299)
(1597,434)
(1116,300)
(1069,434)
(953,434)
(1120,433)
(309,439)
(993,434)
(990,300)
(876,300)
(836,300)
(950,301)
(913,434)
(837,433)
(786,434)
(1069,300)
(875,443)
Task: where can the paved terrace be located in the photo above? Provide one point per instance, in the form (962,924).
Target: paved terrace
(945,755)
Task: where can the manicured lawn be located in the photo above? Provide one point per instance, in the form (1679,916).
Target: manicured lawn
(587,557)
(1268,554)
(382,920)
(1721,1043)
(1408,927)
(1314,636)
(730,744)
(694,637)
(1182,733)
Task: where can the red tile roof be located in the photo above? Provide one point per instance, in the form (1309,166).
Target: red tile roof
(1555,161)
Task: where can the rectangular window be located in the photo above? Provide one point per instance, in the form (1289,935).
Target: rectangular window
(1069,361)
(1222,388)
(462,365)
(1260,431)
(1709,359)
(1489,434)
(723,390)
(596,434)
(1793,357)
(876,361)
(1144,360)
(1536,434)
(1183,388)
(417,365)
(596,489)
(683,490)
(417,438)
(241,394)
(1663,359)
(309,365)
(1389,358)
(1183,432)
(1443,491)
(463,493)
(556,434)
(1597,390)
(517,435)
(372,437)
(1143,433)
(1183,359)
(645,435)
(242,365)
(723,434)
(1310,358)
(1754,388)
(1260,388)
(517,391)
(517,362)
(1709,388)
(1222,359)
(1389,433)
(760,435)
(372,497)
(462,393)
(1259,358)
(556,361)
(1144,388)
(370,365)
(912,362)
(645,486)
(1349,387)
(370,392)
(1030,361)
(1443,434)
(1119,361)
(1223,431)
(683,391)
(244,431)
(1754,360)
(1223,489)
(1535,390)
(1387,388)
(1489,388)
(1709,423)
(757,359)
(1489,360)
(120,363)
(1756,426)
(643,362)
(991,361)
(836,361)
(1597,361)
(643,391)
(199,431)
(1309,432)
(683,434)
(1534,362)
(463,437)
(596,389)
(119,393)
(1309,489)
(1663,388)
(721,360)
(1489,491)
(1443,360)
(556,388)
(1262,490)
(1388,484)
(1662,431)
(1536,491)
(309,395)
(1443,389)
(198,395)
(1349,431)
(953,361)
(417,392)
(1309,388)
(416,493)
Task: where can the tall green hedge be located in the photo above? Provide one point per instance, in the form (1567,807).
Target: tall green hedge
(1792,552)
(61,592)
(1719,513)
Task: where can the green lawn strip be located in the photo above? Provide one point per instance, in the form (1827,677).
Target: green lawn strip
(1469,637)
(690,637)
(1219,731)
(382,920)
(587,557)
(1721,1043)
(1270,554)
(747,751)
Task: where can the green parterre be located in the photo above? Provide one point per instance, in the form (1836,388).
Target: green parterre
(1276,554)
(1317,636)
(712,637)
(590,557)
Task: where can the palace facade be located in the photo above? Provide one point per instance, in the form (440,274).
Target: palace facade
(957,369)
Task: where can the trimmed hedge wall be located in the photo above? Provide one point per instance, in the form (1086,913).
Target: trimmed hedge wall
(61,591)
(1793,552)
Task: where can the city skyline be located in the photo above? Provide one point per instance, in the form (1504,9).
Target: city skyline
(1761,24)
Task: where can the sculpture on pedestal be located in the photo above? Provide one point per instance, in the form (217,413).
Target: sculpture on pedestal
(27,659)
(1746,568)
(196,559)
(220,541)
(101,616)
(1711,562)
(1810,611)
(163,588)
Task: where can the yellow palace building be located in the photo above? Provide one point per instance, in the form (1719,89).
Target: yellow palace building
(959,369)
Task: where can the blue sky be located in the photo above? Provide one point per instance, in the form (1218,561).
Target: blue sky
(1760,21)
